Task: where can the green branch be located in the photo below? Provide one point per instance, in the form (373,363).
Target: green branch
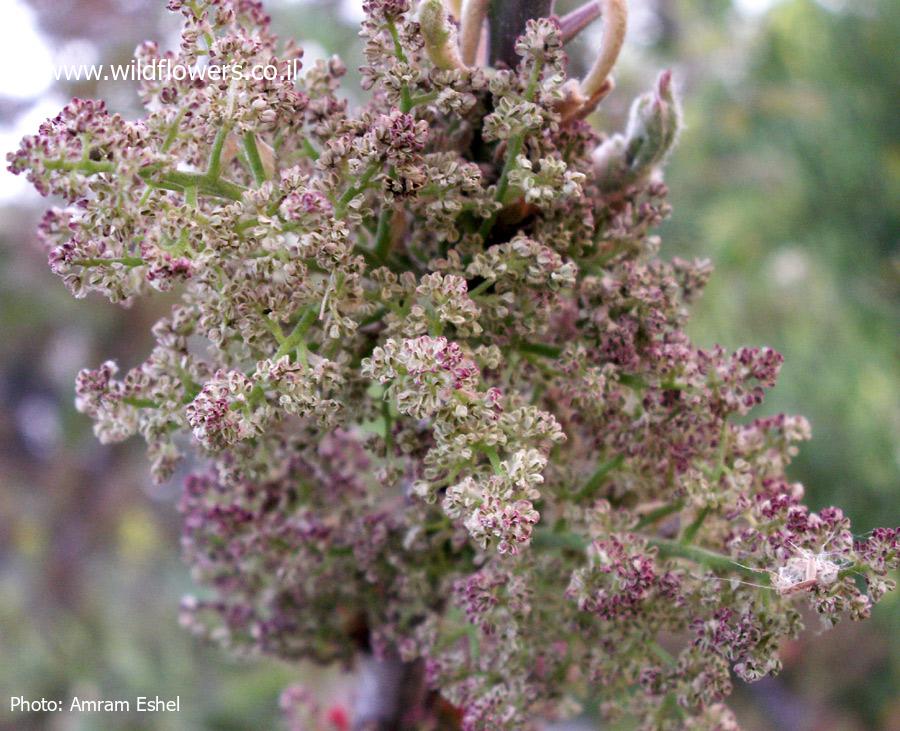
(91,167)
(654,516)
(140,403)
(295,338)
(383,234)
(712,560)
(354,190)
(129,261)
(548,351)
(406,103)
(666,549)
(599,477)
(179,182)
(311,152)
(214,167)
(691,531)
(253,158)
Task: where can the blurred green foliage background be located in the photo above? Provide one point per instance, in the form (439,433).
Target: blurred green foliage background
(787,177)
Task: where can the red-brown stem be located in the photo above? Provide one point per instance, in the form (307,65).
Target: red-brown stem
(508,19)
(571,24)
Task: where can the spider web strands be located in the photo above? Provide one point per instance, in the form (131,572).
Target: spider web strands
(785,586)
(789,590)
(732,580)
(840,554)
(673,549)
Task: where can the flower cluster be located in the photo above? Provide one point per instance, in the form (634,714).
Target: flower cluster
(501,506)
(438,374)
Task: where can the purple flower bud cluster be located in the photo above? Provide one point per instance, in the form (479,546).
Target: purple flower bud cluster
(618,579)
(438,376)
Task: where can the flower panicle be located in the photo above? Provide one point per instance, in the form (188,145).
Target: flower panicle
(437,372)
